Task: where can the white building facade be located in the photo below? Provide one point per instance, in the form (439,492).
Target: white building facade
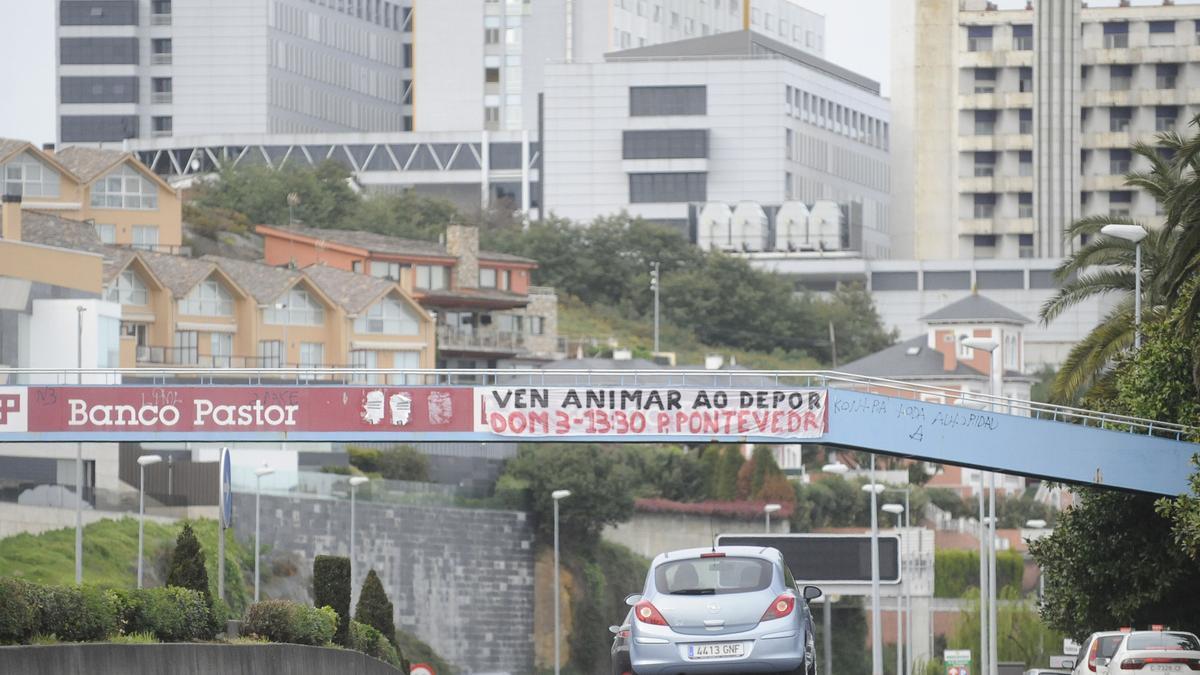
(660,131)
(156,68)
(480,64)
(1037,110)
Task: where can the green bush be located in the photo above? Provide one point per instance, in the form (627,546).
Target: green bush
(374,609)
(413,650)
(400,462)
(75,613)
(331,588)
(283,621)
(171,614)
(371,642)
(18,612)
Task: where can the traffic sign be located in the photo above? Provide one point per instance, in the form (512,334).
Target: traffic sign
(226,490)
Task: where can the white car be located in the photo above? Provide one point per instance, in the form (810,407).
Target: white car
(1156,651)
(1098,646)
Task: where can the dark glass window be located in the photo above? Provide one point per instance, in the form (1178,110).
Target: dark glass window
(1162,26)
(947,281)
(1000,279)
(86,128)
(667,187)
(98,13)
(110,50)
(893,281)
(681,100)
(98,89)
(665,144)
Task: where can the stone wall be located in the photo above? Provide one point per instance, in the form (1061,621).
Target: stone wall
(463,241)
(187,659)
(460,579)
(543,302)
(649,534)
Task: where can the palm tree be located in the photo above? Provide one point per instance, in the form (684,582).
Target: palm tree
(1105,265)
(1182,266)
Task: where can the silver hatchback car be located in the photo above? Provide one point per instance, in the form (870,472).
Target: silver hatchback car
(731,609)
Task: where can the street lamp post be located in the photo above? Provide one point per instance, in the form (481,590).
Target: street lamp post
(557,496)
(79,310)
(261,471)
(1135,234)
(1039,524)
(987,549)
(143,462)
(355,481)
(654,284)
(876,624)
(898,510)
(282,307)
(768,509)
(908,613)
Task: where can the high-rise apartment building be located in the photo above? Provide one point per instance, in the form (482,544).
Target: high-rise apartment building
(147,68)
(479,64)
(662,131)
(1010,124)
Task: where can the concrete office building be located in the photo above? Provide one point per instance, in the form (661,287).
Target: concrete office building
(481,66)
(149,68)
(1036,110)
(726,118)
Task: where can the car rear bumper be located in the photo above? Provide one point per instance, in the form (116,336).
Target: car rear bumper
(763,655)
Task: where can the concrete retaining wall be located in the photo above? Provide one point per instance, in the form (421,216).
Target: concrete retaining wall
(18,518)
(460,579)
(649,534)
(187,659)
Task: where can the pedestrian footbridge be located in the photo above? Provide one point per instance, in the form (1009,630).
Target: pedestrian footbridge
(877,415)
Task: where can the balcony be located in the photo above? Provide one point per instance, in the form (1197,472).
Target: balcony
(188,356)
(160,19)
(479,340)
(161,97)
(160,59)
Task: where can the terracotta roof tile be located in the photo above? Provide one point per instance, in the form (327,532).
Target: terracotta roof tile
(88,163)
(264,282)
(354,292)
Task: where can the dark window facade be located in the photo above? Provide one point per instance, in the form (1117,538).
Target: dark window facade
(98,13)
(999,279)
(505,155)
(86,128)
(115,50)
(683,100)
(666,144)
(947,281)
(667,187)
(98,89)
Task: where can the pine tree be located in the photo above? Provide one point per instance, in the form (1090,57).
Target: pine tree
(187,564)
(374,608)
(765,466)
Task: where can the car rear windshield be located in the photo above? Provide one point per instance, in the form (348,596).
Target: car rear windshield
(1105,647)
(1163,641)
(712,576)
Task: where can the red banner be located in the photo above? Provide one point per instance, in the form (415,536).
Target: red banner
(241,409)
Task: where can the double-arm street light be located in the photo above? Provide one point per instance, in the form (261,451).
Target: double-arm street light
(874,489)
(898,511)
(1135,234)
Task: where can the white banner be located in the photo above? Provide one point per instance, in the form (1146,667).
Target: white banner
(653,411)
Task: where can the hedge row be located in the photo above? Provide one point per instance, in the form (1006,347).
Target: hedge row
(955,571)
(283,621)
(88,614)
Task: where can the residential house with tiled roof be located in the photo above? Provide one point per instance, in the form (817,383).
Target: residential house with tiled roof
(128,204)
(486,309)
(939,358)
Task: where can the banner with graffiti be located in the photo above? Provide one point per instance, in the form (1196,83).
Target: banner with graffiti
(207,409)
(656,411)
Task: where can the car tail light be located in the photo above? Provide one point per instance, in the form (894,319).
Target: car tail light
(1092,655)
(713,554)
(623,633)
(780,607)
(648,613)
(1138,663)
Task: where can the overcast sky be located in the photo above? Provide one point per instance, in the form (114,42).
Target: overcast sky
(857,36)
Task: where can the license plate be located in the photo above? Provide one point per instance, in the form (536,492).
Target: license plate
(1165,667)
(716,650)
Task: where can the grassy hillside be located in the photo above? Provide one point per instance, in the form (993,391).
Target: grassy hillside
(576,320)
(110,556)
